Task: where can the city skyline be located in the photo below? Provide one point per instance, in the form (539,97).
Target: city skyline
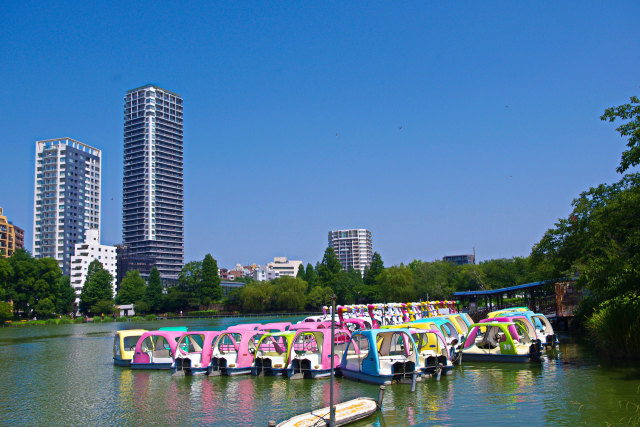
(438,128)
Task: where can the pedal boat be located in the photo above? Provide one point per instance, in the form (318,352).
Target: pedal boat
(155,350)
(523,326)
(543,327)
(433,352)
(381,356)
(273,353)
(233,351)
(193,353)
(500,343)
(452,337)
(311,352)
(124,345)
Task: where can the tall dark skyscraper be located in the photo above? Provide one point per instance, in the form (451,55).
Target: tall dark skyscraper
(153,190)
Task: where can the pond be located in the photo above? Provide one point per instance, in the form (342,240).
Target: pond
(64,375)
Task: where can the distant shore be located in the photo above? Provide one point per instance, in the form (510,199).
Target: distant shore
(147,318)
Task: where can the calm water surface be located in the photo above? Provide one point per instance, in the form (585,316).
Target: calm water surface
(64,375)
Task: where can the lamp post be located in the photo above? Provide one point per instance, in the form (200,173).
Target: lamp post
(332,409)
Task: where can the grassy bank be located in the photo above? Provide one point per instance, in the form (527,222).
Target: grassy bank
(615,326)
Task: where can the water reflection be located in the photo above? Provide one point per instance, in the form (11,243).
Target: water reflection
(66,371)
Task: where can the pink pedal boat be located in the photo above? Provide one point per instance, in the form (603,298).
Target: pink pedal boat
(193,354)
(155,350)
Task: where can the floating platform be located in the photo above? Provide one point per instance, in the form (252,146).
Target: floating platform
(346,412)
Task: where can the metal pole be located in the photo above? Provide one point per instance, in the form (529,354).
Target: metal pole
(332,409)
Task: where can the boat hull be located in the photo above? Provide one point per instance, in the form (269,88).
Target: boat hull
(509,358)
(191,371)
(269,371)
(230,372)
(314,373)
(166,366)
(431,370)
(122,362)
(375,379)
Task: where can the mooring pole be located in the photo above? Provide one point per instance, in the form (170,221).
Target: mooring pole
(332,410)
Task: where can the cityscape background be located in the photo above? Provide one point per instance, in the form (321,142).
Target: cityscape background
(439,128)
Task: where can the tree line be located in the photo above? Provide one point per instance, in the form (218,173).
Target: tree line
(418,280)
(35,287)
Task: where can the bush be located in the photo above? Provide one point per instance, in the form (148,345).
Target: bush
(6,313)
(122,319)
(107,319)
(137,319)
(65,321)
(615,326)
(52,321)
(203,313)
(79,320)
(150,317)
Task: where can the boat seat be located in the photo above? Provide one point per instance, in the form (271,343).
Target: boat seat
(314,359)
(386,363)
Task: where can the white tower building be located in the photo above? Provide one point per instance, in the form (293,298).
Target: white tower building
(352,247)
(66,197)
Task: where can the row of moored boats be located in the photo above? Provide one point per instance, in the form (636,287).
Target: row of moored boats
(377,343)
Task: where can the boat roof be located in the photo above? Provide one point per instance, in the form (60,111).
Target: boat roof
(493,323)
(285,333)
(130,332)
(174,328)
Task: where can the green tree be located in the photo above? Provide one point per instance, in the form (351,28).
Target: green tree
(433,280)
(103,307)
(258,297)
(210,290)
(153,291)
(630,129)
(66,296)
(6,313)
(301,273)
(21,283)
(370,276)
(233,298)
(97,287)
(396,284)
(599,242)
(310,275)
(290,293)
(6,276)
(132,288)
(45,308)
(318,297)
(190,281)
(329,267)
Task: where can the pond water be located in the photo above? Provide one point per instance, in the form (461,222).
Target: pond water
(64,375)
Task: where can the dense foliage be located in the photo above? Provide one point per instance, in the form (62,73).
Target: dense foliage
(599,245)
(97,292)
(33,287)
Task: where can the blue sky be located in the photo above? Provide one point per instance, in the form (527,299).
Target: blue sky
(439,126)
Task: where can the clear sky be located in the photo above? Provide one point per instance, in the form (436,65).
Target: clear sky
(439,126)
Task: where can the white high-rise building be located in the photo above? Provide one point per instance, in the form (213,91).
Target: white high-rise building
(85,253)
(66,197)
(353,248)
